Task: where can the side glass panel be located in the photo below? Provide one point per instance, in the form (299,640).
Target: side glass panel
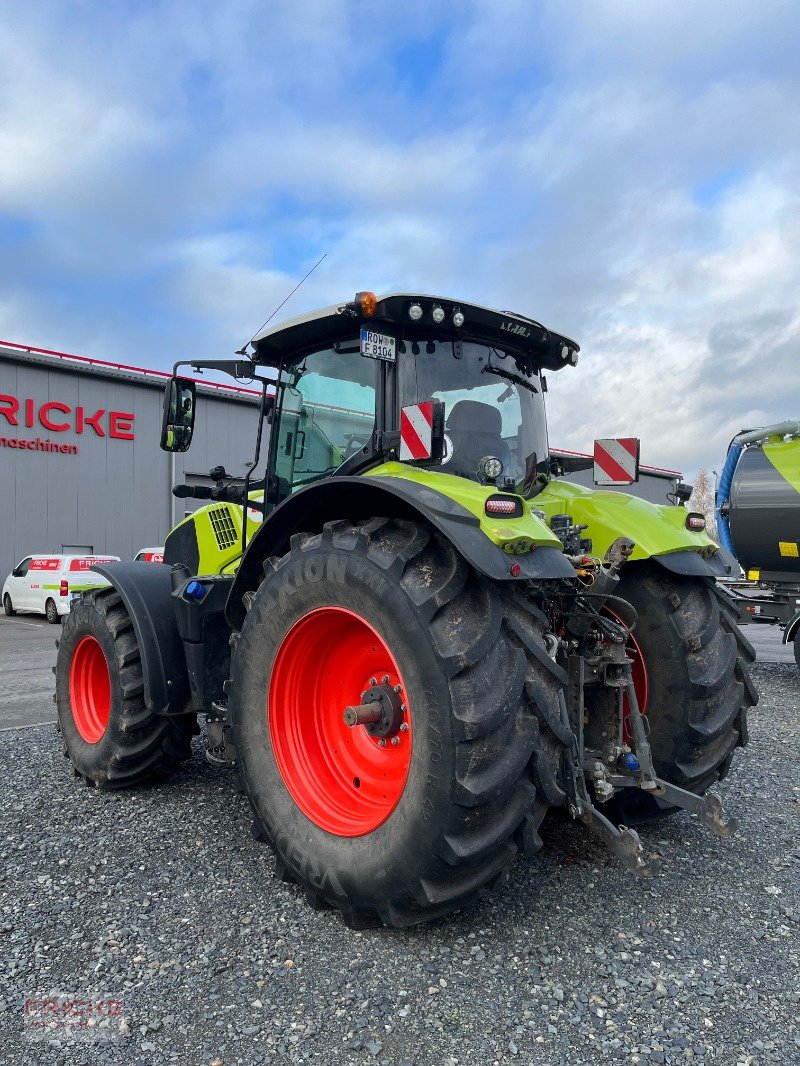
(327,415)
(492,407)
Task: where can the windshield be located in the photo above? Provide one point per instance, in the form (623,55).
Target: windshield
(327,415)
(492,407)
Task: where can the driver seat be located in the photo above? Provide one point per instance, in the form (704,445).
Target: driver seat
(475,431)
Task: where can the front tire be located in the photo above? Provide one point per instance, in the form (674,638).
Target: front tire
(8,607)
(112,738)
(694,662)
(451,796)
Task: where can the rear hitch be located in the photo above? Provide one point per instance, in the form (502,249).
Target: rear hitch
(621,840)
(708,808)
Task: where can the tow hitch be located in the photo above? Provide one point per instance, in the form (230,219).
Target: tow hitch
(613,764)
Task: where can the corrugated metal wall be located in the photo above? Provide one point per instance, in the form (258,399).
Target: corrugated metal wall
(114,494)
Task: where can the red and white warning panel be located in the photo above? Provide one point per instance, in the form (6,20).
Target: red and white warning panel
(616,460)
(422,431)
(416,432)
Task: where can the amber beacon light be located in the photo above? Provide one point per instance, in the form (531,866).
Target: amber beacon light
(366,304)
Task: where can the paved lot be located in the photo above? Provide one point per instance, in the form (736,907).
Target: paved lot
(573,961)
(27,655)
(161,898)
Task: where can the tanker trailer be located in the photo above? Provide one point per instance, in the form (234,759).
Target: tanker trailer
(758,517)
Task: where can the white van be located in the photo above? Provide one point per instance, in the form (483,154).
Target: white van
(150,555)
(45,584)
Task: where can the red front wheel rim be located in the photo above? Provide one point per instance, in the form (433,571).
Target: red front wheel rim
(341,777)
(89,689)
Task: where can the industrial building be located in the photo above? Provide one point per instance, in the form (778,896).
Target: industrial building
(80,465)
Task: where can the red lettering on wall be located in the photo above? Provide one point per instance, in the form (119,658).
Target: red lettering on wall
(81,420)
(117,425)
(121,425)
(44,412)
(11,405)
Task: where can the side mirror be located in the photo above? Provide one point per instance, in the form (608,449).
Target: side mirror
(177,424)
(616,461)
(422,432)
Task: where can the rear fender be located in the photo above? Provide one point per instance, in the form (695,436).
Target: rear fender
(146,591)
(355,498)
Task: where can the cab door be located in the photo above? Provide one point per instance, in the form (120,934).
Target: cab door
(18,585)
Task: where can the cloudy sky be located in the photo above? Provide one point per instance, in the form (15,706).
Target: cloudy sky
(628,173)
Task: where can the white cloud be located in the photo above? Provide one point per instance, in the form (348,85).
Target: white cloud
(626,173)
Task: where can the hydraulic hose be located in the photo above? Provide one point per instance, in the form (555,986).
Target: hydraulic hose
(724,493)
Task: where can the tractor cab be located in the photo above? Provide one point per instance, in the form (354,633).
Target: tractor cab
(346,373)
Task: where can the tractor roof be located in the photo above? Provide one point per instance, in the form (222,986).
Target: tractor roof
(504,329)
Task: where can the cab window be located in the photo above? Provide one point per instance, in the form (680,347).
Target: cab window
(327,414)
(22,569)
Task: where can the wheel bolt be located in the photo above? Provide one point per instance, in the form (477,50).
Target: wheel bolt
(404,727)
(385,679)
(403,707)
(395,741)
(373,682)
(382,742)
(397,688)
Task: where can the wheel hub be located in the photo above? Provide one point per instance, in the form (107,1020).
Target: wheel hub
(380,712)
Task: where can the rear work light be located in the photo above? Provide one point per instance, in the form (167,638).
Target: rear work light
(504,506)
(696,522)
(64,591)
(366,304)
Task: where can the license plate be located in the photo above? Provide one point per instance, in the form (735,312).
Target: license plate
(377,345)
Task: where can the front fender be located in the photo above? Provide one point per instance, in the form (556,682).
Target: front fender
(146,591)
(355,498)
(658,531)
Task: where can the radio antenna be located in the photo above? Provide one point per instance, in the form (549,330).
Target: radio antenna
(243,349)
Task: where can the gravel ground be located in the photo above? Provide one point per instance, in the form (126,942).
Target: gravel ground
(162,899)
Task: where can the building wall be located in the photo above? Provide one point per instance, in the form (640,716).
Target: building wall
(110,492)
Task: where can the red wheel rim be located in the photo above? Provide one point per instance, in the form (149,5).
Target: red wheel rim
(340,777)
(89,689)
(639,675)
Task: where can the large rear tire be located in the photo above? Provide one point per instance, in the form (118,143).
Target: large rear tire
(411,829)
(693,684)
(112,738)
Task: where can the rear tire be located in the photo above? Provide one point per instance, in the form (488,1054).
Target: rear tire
(698,683)
(796,643)
(112,738)
(8,606)
(482,756)
(51,612)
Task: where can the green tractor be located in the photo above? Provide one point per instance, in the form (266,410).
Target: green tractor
(409,638)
